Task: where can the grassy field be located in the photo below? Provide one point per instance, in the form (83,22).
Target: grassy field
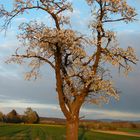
(49,132)
(129,130)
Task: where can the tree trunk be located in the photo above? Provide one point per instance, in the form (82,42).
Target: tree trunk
(72,129)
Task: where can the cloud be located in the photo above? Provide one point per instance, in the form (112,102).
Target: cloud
(8,43)
(88,113)
(25,103)
(129,86)
(3,96)
(20,20)
(42,90)
(106,114)
(45,110)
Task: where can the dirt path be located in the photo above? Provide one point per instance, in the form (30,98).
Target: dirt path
(118,133)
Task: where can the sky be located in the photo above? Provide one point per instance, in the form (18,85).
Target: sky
(16,93)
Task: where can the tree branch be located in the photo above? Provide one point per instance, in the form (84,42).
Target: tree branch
(116,20)
(35,56)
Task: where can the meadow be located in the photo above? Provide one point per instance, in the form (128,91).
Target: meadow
(54,132)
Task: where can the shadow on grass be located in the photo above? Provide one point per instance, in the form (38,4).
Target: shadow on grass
(83,131)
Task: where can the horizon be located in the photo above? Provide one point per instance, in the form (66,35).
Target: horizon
(82,118)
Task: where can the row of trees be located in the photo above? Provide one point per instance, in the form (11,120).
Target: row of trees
(100,125)
(29,116)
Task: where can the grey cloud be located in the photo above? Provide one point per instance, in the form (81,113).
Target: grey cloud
(129,86)
(42,91)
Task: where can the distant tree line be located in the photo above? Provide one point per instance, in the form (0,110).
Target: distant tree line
(114,125)
(29,116)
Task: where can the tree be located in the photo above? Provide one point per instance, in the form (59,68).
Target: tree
(30,116)
(1,117)
(13,117)
(80,77)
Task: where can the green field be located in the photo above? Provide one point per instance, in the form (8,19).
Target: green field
(49,132)
(129,130)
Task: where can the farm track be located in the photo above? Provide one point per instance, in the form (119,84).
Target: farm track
(118,133)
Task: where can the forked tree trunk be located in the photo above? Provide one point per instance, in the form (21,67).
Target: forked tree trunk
(72,118)
(72,129)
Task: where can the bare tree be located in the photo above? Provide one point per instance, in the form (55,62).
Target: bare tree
(80,77)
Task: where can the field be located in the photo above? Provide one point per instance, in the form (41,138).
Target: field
(54,132)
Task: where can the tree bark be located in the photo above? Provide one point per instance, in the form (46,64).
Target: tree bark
(72,129)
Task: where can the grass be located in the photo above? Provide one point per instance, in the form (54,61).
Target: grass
(31,132)
(103,136)
(51,132)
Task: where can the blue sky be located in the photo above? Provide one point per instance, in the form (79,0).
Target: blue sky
(17,93)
